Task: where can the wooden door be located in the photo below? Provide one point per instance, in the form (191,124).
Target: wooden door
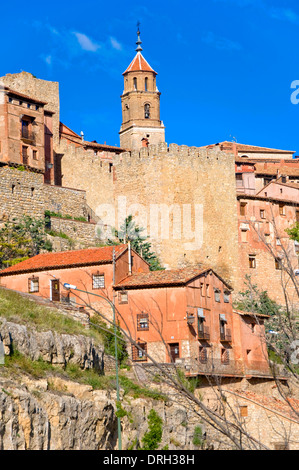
(174,351)
(55,287)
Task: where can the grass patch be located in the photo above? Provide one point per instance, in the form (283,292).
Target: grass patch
(15,307)
(134,389)
(17,362)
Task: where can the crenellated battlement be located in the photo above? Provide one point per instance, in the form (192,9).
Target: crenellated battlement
(175,154)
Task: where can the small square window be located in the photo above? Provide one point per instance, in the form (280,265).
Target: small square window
(203,355)
(282,209)
(262,214)
(33,284)
(139,353)
(243,208)
(98,281)
(224,356)
(34,154)
(226,296)
(123,297)
(142,321)
(252,261)
(278,263)
(217,295)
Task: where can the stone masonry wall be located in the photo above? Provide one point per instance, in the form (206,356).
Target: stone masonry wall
(84,170)
(178,179)
(183,180)
(66,201)
(24,193)
(21,193)
(83,232)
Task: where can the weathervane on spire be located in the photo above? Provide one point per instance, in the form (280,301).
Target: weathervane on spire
(138,42)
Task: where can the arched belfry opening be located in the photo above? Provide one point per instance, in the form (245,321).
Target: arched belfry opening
(142,97)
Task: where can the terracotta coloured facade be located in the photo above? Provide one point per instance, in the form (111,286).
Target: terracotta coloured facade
(183,316)
(186,316)
(89,270)
(262,224)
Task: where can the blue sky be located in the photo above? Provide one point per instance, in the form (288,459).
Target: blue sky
(225,67)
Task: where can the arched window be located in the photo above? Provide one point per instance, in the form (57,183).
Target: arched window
(146,83)
(147,111)
(135,83)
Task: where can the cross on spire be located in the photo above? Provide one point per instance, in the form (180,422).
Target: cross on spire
(138,42)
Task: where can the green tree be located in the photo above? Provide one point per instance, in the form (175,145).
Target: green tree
(293,232)
(153,436)
(35,230)
(130,232)
(21,239)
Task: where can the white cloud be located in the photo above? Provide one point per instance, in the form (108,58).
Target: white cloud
(48,59)
(86,43)
(284,14)
(115,44)
(221,43)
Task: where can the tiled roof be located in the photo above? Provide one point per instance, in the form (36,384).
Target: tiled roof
(259,197)
(68,134)
(285,170)
(288,407)
(162,278)
(64,259)
(139,64)
(25,97)
(251,314)
(277,183)
(226,145)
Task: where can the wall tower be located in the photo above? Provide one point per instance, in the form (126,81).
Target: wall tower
(141,124)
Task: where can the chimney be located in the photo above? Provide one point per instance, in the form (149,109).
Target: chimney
(130,258)
(235,149)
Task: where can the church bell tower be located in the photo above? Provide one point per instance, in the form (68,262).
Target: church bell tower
(141,124)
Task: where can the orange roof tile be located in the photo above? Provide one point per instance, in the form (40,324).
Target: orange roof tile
(250,314)
(273,169)
(64,259)
(162,278)
(226,145)
(288,407)
(139,64)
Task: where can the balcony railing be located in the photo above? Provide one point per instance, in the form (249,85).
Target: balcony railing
(28,136)
(226,336)
(204,333)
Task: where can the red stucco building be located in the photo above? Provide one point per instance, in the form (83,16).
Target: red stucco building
(183,316)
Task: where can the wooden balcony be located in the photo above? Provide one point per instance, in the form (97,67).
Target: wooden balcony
(226,336)
(28,138)
(204,333)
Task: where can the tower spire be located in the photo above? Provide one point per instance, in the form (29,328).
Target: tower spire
(138,42)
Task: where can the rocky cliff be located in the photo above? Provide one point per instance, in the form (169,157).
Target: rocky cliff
(55,413)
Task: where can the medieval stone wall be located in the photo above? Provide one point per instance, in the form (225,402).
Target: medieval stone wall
(183,196)
(86,170)
(65,201)
(21,193)
(194,190)
(82,232)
